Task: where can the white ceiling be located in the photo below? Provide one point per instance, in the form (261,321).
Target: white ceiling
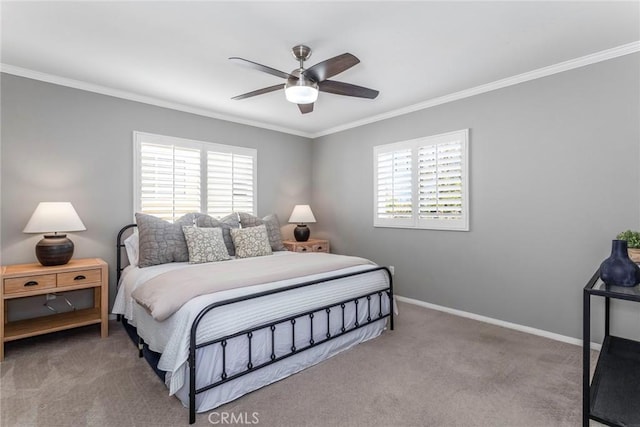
(175,53)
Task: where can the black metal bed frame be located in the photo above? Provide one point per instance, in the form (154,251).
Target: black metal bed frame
(272,326)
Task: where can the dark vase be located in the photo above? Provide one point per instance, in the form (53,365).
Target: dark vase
(618,269)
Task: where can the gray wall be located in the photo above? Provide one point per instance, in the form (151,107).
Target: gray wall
(63,144)
(554,176)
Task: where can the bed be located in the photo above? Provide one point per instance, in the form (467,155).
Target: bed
(219,346)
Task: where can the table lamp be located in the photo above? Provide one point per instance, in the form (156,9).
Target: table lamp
(54,217)
(302,214)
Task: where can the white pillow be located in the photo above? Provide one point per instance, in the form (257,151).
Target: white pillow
(131,245)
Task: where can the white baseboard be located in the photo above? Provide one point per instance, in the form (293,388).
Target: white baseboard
(515,326)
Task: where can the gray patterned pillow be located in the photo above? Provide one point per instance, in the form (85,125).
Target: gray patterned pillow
(226,224)
(161,241)
(205,244)
(251,241)
(273,228)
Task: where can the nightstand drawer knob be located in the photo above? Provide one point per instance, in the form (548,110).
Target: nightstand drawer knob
(319,248)
(80,277)
(303,249)
(31,283)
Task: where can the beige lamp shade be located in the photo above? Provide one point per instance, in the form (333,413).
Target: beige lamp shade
(302,214)
(54,217)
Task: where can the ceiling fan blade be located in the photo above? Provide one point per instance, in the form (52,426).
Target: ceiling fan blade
(329,68)
(259,91)
(254,65)
(305,108)
(347,89)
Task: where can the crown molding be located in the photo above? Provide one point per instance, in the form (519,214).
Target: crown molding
(571,64)
(131,96)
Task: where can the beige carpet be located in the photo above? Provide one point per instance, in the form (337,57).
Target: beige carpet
(435,369)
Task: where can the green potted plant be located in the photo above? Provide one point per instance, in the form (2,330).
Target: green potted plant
(633,243)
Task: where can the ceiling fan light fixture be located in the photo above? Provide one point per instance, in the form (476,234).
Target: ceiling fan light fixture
(301,91)
(302,85)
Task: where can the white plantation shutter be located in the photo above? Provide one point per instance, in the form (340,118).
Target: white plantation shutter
(243,184)
(170,180)
(440,180)
(174,176)
(394,195)
(230,185)
(423,183)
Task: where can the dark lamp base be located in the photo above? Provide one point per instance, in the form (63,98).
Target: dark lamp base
(54,249)
(301,233)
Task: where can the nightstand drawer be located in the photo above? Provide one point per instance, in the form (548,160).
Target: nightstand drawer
(29,283)
(311,245)
(79,277)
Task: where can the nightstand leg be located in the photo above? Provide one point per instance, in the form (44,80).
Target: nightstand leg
(3,314)
(607,311)
(586,356)
(104,304)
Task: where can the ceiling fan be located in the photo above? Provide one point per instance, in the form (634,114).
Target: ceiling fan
(302,84)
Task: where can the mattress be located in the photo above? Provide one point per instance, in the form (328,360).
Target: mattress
(171,336)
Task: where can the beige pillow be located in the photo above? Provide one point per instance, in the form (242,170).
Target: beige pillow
(251,242)
(205,244)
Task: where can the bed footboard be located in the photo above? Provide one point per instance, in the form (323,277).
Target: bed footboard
(318,318)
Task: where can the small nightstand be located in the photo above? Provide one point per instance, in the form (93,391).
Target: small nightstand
(27,280)
(311,245)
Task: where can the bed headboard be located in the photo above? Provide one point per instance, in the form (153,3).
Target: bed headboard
(120,250)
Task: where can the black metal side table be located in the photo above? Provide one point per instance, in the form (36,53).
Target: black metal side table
(613,397)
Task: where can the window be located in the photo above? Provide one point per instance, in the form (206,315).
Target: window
(423,183)
(174,176)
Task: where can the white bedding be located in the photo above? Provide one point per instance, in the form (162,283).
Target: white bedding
(171,337)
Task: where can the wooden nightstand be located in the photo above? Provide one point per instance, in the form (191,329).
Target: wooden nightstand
(311,245)
(27,280)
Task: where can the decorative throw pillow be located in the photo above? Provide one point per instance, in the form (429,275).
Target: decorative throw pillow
(131,245)
(205,244)
(251,241)
(273,228)
(226,224)
(161,241)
